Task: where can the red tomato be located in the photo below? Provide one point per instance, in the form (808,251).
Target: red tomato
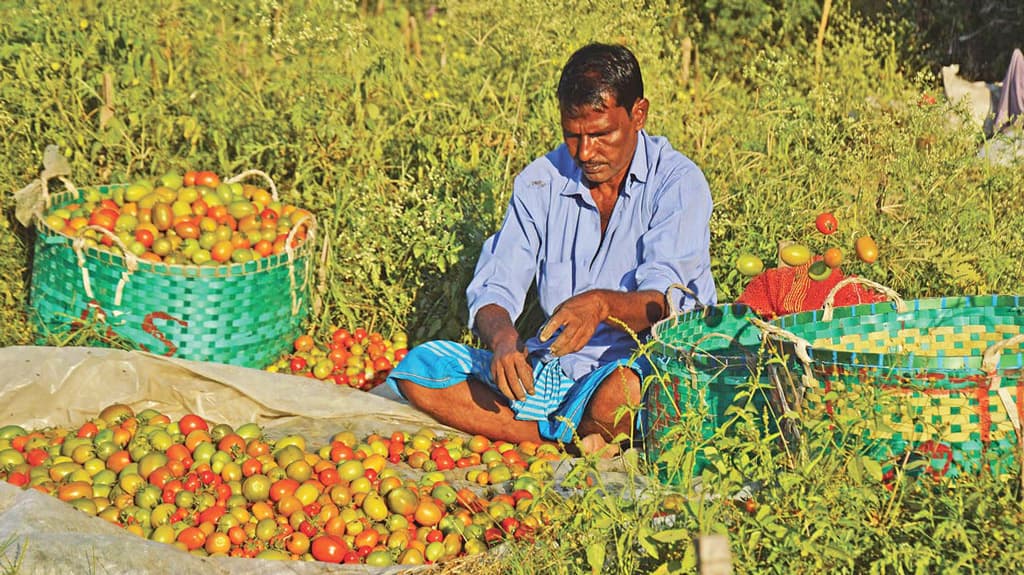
(826,223)
(341,337)
(359,334)
(144,237)
(297,364)
(328,548)
(191,422)
(189,179)
(88,429)
(381,364)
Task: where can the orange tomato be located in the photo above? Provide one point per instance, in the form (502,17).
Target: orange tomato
(428,512)
(217,542)
(192,537)
(231,443)
(304,342)
(833,257)
(867,249)
(221,251)
(186,230)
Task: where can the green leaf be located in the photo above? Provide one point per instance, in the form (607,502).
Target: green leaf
(595,557)
(671,535)
(873,468)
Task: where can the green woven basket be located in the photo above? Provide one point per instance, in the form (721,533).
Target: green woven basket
(708,358)
(243,314)
(944,375)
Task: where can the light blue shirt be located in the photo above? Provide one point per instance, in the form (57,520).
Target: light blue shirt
(658,235)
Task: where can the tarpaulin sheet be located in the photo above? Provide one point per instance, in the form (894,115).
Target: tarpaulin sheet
(47,387)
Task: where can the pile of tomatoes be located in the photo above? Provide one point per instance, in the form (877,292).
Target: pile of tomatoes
(213,489)
(193,218)
(798,254)
(359,358)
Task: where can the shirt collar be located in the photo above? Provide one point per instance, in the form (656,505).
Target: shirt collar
(638,169)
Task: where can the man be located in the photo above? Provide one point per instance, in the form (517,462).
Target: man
(603,224)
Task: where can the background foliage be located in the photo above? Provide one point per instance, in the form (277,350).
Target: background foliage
(402,124)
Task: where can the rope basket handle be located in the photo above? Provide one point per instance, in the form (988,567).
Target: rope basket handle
(310,236)
(800,346)
(262,174)
(131,261)
(829,306)
(671,302)
(34,199)
(990,360)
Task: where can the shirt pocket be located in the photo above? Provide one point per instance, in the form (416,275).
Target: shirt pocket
(555,285)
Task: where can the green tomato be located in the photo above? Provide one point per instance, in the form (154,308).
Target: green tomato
(819,271)
(749,264)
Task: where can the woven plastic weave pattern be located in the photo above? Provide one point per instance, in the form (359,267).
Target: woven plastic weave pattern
(241,314)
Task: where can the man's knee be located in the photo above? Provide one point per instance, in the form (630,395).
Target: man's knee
(417,395)
(621,388)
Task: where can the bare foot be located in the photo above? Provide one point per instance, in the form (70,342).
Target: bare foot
(596,444)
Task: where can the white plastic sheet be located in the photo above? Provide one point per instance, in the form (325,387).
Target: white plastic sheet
(47,387)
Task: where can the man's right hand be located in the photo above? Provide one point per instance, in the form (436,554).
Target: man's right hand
(511,372)
(509,368)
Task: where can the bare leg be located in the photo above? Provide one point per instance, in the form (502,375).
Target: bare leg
(473,408)
(598,426)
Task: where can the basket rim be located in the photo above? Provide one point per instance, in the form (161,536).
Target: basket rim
(222,270)
(735,310)
(917,362)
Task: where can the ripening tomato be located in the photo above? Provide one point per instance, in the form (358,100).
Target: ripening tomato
(221,251)
(208,179)
(826,223)
(192,537)
(867,249)
(303,343)
(328,548)
(833,257)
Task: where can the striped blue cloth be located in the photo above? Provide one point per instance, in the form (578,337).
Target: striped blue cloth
(558,401)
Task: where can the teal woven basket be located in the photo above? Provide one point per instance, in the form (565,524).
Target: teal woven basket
(708,360)
(943,378)
(244,314)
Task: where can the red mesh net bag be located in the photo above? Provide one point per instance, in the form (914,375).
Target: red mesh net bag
(786,290)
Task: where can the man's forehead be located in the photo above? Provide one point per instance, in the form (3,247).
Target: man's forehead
(608,102)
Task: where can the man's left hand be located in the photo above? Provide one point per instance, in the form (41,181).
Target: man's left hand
(576,319)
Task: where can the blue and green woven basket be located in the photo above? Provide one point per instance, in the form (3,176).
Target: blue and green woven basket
(944,377)
(244,314)
(707,360)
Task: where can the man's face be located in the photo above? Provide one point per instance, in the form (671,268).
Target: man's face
(602,141)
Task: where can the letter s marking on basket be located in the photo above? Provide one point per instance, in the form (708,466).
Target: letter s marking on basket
(149,327)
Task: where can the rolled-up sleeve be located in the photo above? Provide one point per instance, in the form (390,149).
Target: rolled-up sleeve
(507,263)
(676,247)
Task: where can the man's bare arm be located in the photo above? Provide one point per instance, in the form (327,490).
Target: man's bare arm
(510,370)
(579,316)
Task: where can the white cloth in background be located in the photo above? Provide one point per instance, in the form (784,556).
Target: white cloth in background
(1011,97)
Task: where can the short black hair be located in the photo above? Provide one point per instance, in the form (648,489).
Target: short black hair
(596,71)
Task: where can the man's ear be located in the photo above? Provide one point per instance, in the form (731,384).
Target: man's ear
(639,113)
